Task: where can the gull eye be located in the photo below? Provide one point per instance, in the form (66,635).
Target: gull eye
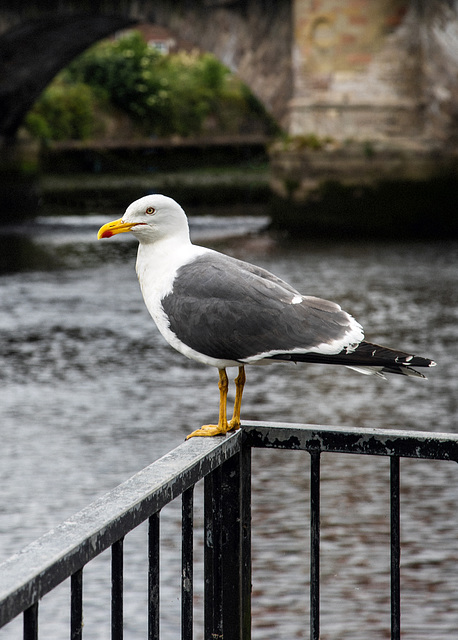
(150,211)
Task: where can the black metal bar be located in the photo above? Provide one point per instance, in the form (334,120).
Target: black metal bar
(187,536)
(236,558)
(314,545)
(213,592)
(246,541)
(76,606)
(117,583)
(153,577)
(395,548)
(375,442)
(232,548)
(31,623)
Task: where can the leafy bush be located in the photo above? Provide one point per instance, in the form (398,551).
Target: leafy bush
(127,71)
(64,111)
(163,94)
(167,94)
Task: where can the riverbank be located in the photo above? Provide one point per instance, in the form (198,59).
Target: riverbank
(310,190)
(205,188)
(400,209)
(89,176)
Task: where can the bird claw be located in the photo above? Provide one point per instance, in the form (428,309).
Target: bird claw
(208,430)
(215,430)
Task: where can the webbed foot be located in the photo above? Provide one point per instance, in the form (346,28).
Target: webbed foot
(209,430)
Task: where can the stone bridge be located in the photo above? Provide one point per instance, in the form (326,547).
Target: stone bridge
(338,68)
(37,39)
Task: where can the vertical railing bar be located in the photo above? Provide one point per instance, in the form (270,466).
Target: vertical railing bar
(246,541)
(30,619)
(218,551)
(231,570)
(187,588)
(76,605)
(213,598)
(314,545)
(395,526)
(153,577)
(208,557)
(117,584)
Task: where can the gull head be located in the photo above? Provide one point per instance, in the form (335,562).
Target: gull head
(150,219)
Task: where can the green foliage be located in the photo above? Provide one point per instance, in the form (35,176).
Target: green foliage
(126,71)
(162,94)
(64,111)
(308,141)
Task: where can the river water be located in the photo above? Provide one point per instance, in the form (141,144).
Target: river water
(90,394)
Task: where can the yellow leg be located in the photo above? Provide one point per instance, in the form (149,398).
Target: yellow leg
(240,380)
(222,426)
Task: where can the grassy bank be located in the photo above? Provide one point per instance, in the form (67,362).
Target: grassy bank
(203,187)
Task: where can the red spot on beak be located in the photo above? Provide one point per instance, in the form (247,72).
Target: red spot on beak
(107,234)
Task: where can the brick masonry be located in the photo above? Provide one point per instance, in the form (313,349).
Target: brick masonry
(375,69)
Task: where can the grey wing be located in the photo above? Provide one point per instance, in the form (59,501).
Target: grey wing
(229,309)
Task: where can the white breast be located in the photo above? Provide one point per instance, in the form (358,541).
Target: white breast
(156,268)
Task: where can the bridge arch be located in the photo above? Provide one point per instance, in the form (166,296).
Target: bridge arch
(251,37)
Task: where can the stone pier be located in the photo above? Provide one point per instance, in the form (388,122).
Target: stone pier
(374,116)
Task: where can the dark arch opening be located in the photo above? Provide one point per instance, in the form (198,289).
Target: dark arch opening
(33,52)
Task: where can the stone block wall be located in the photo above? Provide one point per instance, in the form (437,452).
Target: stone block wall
(375,69)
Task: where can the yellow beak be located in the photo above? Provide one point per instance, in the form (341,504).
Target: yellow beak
(112,228)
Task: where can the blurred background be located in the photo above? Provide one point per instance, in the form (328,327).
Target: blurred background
(316,138)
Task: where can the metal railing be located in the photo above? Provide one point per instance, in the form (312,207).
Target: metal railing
(224,465)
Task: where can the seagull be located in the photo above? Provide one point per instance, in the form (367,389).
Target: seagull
(224,312)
